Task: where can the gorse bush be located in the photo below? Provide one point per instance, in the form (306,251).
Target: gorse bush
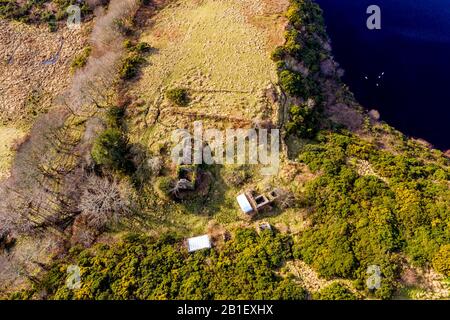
(360,221)
(293,45)
(441,260)
(178,96)
(130,66)
(81,60)
(134,59)
(142,268)
(143,47)
(114,116)
(303,121)
(307,14)
(293,83)
(278,54)
(302,44)
(140,47)
(335,291)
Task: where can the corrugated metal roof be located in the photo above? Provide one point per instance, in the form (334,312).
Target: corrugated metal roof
(199,243)
(245,205)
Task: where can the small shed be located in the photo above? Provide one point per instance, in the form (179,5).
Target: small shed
(198,243)
(245,204)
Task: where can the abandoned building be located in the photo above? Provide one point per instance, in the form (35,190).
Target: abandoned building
(251,203)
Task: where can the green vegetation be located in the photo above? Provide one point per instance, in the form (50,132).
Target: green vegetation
(278,54)
(142,268)
(360,221)
(131,65)
(304,44)
(134,59)
(394,209)
(178,96)
(110,149)
(293,83)
(81,59)
(140,47)
(441,260)
(335,291)
(307,14)
(114,116)
(303,121)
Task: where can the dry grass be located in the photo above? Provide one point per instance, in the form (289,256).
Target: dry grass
(27,84)
(310,280)
(26,258)
(8,135)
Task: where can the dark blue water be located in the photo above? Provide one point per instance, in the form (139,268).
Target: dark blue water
(413,51)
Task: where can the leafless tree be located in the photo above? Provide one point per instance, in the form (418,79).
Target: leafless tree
(181,185)
(39,192)
(47,176)
(104,201)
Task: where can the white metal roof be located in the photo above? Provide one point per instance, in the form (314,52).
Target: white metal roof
(245,205)
(199,243)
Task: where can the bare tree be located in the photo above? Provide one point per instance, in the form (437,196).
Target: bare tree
(104,201)
(182,185)
(47,177)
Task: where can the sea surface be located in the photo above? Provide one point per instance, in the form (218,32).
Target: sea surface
(401,70)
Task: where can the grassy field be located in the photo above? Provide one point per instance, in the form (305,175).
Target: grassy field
(215,52)
(219,51)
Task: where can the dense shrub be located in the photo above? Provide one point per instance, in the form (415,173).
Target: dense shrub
(292,44)
(134,58)
(81,60)
(303,121)
(360,221)
(142,268)
(307,14)
(110,149)
(178,96)
(441,261)
(140,47)
(293,83)
(114,116)
(130,66)
(335,291)
(143,47)
(278,54)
